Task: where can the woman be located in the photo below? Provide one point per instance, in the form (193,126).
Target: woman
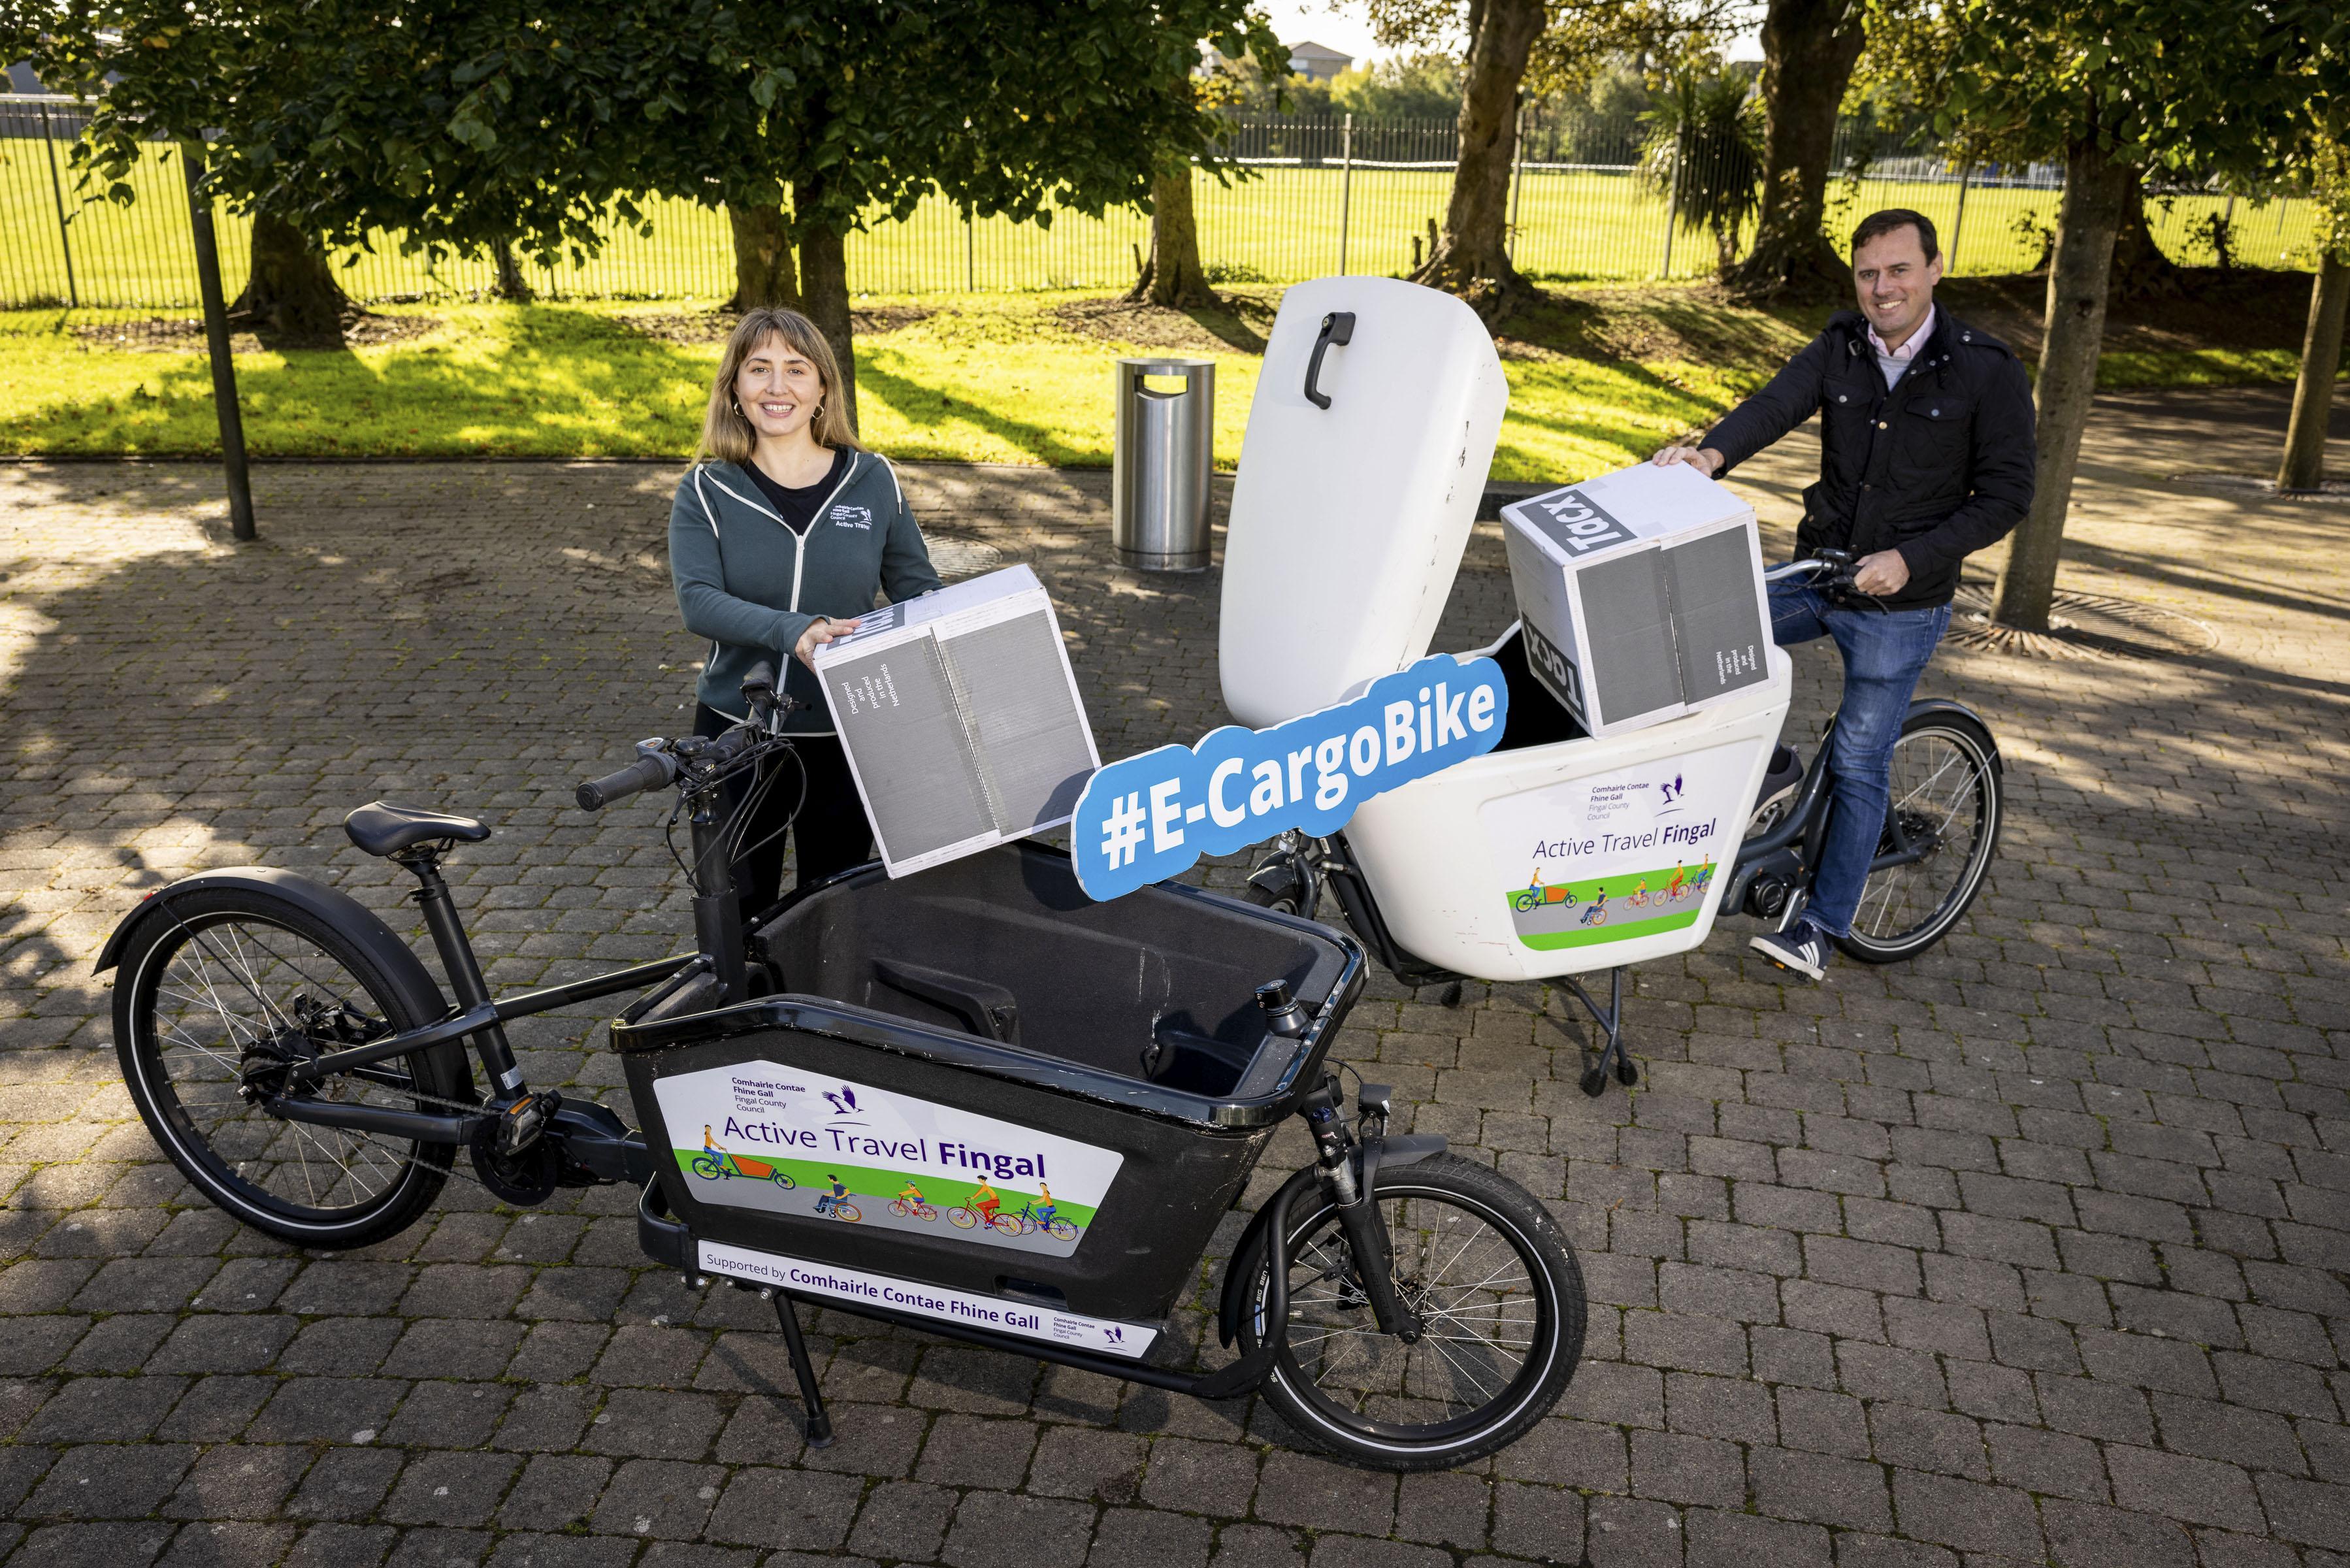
(780,535)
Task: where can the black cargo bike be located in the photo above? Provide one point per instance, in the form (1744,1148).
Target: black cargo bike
(1400,1306)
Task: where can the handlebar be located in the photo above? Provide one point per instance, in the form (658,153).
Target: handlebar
(649,770)
(660,762)
(1838,563)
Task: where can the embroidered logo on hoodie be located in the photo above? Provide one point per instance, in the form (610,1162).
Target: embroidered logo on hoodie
(847,517)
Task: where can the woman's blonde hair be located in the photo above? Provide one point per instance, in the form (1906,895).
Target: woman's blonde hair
(726,432)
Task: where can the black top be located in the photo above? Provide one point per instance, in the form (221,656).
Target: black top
(1937,467)
(797,507)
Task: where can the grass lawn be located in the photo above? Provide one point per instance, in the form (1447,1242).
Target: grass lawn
(1285,225)
(1598,376)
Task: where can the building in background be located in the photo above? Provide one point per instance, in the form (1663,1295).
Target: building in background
(1317,62)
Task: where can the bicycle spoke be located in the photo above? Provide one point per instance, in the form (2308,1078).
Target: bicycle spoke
(249,983)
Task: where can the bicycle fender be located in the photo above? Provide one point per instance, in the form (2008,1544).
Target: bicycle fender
(332,906)
(1944,708)
(1244,1265)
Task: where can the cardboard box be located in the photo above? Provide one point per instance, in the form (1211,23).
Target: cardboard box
(960,718)
(1641,592)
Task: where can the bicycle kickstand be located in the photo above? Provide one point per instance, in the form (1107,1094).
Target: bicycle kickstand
(1611,1019)
(819,1424)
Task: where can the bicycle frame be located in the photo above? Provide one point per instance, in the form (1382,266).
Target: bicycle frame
(593,1136)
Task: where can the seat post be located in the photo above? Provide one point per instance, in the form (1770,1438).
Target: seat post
(457,959)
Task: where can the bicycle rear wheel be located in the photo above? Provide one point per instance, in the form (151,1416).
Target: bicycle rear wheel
(1500,1296)
(1946,792)
(213,1003)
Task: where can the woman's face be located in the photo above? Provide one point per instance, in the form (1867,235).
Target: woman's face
(778,388)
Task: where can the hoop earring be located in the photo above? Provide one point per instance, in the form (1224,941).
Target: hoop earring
(736,404)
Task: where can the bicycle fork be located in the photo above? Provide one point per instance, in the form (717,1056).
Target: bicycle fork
(1347,1172)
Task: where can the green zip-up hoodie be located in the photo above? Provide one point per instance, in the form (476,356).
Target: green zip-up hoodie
(745,581)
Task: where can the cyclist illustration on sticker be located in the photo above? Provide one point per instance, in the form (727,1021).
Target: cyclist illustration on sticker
(828,1152)
(1617,855)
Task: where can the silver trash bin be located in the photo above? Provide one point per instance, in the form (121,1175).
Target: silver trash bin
(1159,470)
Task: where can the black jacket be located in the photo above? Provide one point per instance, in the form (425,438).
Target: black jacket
(1936,468)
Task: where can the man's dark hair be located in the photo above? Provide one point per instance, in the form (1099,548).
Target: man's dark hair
(1877,225)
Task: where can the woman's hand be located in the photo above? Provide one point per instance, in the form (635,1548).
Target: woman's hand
(823,629)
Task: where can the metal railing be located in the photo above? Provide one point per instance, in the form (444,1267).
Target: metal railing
(1325,196)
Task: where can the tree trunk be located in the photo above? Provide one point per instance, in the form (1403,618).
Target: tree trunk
(1809,48)
(824,283)
(291,294)
(765,273)
(511,286)
(2140,269)
(1472,259)
(2321,360)
(1174,276)
(2095,190)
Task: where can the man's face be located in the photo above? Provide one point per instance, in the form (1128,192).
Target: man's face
(1895,282)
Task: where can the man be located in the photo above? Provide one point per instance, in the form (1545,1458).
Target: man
(1926,456)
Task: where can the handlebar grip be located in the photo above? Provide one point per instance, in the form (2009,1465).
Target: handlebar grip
(648,772)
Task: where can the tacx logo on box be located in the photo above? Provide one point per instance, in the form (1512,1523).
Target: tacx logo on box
(846,517)
(1147,818)
(1575,522)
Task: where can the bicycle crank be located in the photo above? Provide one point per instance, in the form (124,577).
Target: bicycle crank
(513,1159)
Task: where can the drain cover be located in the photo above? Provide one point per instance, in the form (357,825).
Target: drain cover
(957,557)
(2082,625)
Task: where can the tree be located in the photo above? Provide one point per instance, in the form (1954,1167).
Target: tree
(159,72)
(1173,274)
(1809,48)
(1700,155)
(2326,176)
(2105,85)
(465,123)
(1424,85)
(1562,44)
(1472,257)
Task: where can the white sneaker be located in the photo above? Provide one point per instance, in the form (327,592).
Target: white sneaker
(1804,949)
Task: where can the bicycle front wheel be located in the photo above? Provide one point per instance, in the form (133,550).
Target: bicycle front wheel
(213,1003)
(1946,794)
(1500,1298)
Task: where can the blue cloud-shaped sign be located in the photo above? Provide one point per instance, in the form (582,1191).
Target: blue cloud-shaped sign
(1148,817)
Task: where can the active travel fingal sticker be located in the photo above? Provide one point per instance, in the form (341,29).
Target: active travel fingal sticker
(1103,1335)
(1147,818)
(761,1136)
(1617,854)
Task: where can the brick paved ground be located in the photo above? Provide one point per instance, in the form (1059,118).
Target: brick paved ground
(2031,1249)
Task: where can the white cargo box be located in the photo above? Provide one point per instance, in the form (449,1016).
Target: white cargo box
(1642,595)
(960,718)
(1585,853)
(1559,851)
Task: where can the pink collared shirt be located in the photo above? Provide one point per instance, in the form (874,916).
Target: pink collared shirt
(1894,362)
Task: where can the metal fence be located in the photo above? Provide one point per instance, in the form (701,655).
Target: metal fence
(1311,198)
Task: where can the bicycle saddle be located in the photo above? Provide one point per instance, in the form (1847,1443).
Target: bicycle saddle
(381,830)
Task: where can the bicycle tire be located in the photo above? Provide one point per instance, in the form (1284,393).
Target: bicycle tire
(963,1219)
(706,1168)
(1980,798)
(1061,1229)
(1554,1291)
(783,1178)
(402,1176)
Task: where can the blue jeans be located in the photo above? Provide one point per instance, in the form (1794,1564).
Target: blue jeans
(1884,651)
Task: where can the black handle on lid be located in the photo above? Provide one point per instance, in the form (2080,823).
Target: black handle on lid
(1339,327)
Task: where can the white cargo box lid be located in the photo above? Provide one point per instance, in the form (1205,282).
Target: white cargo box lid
(1347,522)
